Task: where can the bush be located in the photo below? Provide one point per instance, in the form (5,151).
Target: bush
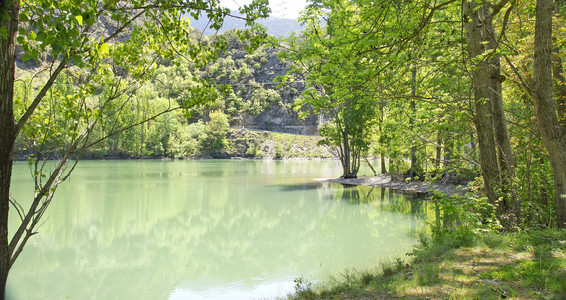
(187,140)
(216,130)
(460,218)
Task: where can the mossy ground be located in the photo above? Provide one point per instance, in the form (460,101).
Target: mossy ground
(524,265)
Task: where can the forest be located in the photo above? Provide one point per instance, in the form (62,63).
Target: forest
(444,90)
(441,91)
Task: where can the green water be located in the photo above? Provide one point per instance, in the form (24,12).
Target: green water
(205,229)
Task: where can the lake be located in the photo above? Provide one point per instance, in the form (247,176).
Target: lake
(206,229)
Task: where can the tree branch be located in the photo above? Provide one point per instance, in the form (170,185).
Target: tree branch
(33,106)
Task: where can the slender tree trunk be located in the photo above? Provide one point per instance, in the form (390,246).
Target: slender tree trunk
(559,86)
(483,109)
(7,128)
(370,166)
(438,150)
(558,74)
(559,83)
(381,117)
(553,135)
(412,120)
(473,150)
(448,169)
(505,154)
(347,153)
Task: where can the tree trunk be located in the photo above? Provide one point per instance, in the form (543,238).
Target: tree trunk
(412,121)
(482,103)
(553,135)
(505,154)
(380,128)
(559,86)
(347,153)
(558,74)
(559,81)
(7,129)
(448,168)
(438,151)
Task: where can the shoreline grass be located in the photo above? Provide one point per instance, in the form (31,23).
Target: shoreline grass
(520,265)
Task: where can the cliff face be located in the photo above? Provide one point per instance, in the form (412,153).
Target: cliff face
(276,114)
(261,144)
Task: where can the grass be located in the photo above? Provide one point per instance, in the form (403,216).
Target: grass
(523,265)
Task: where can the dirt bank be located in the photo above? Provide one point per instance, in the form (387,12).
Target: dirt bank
(387,181)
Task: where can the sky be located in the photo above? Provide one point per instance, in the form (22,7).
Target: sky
(288,9)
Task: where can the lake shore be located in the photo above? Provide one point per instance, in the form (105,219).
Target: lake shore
(390,182)
(494,265)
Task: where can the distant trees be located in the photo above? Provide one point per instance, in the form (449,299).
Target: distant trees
(215,132)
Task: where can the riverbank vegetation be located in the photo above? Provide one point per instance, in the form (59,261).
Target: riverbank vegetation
(460,257)
(521,265)
(243,95)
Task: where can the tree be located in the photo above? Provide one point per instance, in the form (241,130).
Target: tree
(553,134)
(216,130)
(489,119)
(109,48)
(338,85)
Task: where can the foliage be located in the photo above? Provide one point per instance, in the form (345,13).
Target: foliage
(215,132)
(392,77)
(169,89)
(460,218)
(409,65)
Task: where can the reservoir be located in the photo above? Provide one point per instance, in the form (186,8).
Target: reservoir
(206,229)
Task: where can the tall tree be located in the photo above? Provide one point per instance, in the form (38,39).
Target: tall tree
(497,162)
(553,134)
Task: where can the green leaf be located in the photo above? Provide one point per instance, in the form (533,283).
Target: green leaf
(57,48)
(80,20)
(24,17)
(4,32)
(77,59)
(41,36)
(104,48)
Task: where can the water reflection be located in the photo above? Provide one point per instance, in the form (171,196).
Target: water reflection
(299,186)
(158,229)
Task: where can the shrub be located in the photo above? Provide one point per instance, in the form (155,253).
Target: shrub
(460,218)
(216,130)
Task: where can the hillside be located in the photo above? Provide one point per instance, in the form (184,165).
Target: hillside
(279,27)
(254,101)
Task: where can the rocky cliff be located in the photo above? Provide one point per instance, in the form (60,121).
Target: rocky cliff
(267,105)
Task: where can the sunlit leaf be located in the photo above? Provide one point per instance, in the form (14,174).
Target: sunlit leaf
(104,48)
